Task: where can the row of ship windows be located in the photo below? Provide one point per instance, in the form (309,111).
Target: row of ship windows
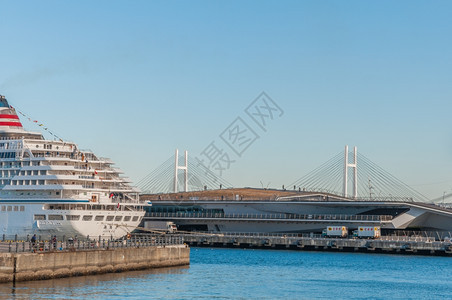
(18,145)
(49,146)
(23,173)
(8,173)
(7,154)
(72,206)
(13,208)
(85,218)
(10,145)
(28,182)
(15,146)
(19,164)
(36,173)
(3,193)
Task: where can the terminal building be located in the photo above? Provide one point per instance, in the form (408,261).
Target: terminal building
(296,212)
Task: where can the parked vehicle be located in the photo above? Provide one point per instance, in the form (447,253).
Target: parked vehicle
(335,231)
(369,232)
(166,226)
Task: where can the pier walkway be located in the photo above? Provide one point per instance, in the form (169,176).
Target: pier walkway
(314,242)
(16,246)
(23,261)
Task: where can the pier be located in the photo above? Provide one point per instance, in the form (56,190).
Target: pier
(22,260)
(315,242)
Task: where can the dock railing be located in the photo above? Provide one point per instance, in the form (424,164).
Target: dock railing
(87,243)
(256,234)
(404,235)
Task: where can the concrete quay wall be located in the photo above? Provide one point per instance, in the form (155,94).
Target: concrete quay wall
(421,247)
(37,266)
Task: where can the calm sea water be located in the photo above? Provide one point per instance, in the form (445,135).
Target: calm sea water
(266,274)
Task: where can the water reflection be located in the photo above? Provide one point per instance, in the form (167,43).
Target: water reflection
(112,285)
(264,274)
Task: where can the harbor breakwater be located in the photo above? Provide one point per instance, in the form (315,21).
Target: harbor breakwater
(46,265)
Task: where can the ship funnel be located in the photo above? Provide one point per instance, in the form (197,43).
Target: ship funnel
(8,116)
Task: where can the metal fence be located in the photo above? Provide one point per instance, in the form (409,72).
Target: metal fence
(71,244)
(255,234)
(309,217)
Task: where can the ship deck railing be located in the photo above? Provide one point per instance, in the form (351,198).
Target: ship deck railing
(285,216)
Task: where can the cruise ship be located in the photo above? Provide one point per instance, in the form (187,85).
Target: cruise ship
(51,187)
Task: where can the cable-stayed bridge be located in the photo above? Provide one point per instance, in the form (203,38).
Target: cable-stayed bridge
(168,178)
(369,181)
(348,174)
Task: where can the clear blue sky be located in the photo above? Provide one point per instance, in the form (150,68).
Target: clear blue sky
(133,80)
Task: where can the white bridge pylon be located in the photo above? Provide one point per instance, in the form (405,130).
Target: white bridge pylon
(371,182)
(353,165)
(177,168)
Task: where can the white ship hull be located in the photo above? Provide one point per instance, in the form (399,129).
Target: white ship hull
(23,220)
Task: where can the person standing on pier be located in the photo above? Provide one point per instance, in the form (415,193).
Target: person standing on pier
(33,242)
(54,242)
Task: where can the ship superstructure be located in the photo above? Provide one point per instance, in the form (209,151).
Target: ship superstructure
(53,187)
